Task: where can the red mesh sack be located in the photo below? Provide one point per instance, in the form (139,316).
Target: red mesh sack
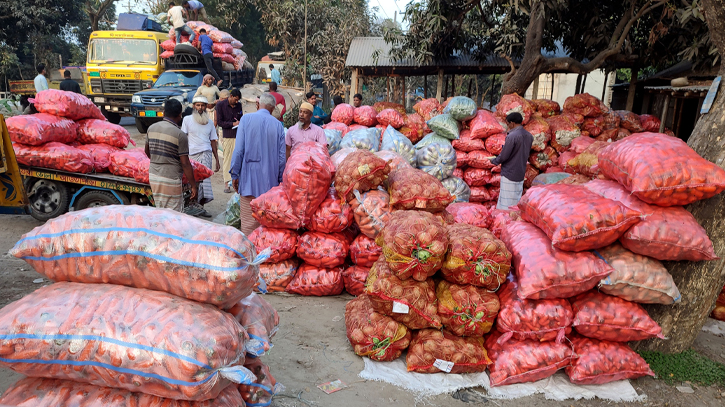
(222,48)
(563,131)
(543,271)
(649,123)
(201,172)
(344,113)
(480,159)
(274,210)
(428,108)
(390,117)
(466,310)
(371,211)
(332,215)
(484,125)
(587,163)
(614,135)
(259,319)
(362,171)
(317,281)
(524,361)
(411,188)
(600,362)
(282,242)
(374,335)
(564,159)
(394,160)
(414,244)
(514,103)
(458,173)
(637,278)
(198,340)
(278,275)
(546,107)
(219,36)
(539,320)
(470,213)
(336,126)
(434,351)
(101,155)
(41,128)
(670,233)
(575,218)
(364,252)
(415,126)
(461,159)
(340,156)
(364,115)
(494,191)
(593,125)
(661,170)
(544,159)
(529,175)
(354,278)
(541,131)
(630,121)
(475,257)
(168,45)
(467,143)
(37,392)
(306,180)
(607,318)
(480,194)
(57,156)
(500,218)
(494,144)
(579,144)
(477,177)
(168,54)
(584,104)
(70,105)
(380,106)
(125,163)
(265,387)
(322,249)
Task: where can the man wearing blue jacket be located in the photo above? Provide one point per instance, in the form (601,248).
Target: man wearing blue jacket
(318,115)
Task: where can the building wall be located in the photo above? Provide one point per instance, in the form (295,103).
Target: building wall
(565,86)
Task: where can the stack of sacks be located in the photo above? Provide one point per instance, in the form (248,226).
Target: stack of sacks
(719,311)
(142,323)
(225,47)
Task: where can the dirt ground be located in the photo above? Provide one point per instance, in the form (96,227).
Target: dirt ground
(310,347)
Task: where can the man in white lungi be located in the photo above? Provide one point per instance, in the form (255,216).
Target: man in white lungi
(203,138)
(513,159)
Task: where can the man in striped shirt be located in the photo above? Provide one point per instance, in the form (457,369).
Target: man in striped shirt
(168,148)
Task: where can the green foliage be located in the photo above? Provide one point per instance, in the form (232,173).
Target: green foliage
(686,366)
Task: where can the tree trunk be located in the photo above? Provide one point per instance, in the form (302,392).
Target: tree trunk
(520,81)
(632,87)
(699,282)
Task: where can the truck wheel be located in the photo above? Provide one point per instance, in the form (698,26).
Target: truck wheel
(141,126)
(112,117)
(48,199)
(94,198)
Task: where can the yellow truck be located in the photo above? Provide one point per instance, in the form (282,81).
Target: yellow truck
(119,64)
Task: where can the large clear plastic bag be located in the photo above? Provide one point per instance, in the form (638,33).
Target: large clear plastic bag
(429,346)
(261,392)
(145,247)
(231,215)
(600,362)
(395,141)
(461,108)
(70,105)
(458,188)
(374,335)
(56,156)
(115,336)
(445,126)
(475,256)
(365,139)
(466,310)
(339,156)
(41,128)
(334,138)
(438,160)
(259,319)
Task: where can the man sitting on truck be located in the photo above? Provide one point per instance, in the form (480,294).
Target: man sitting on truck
(176,17)
(68,84)
(168,148)
(206,47)
(197,12)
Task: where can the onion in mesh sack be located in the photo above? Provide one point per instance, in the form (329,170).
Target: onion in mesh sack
(395,141)
(458,188)
(366,139)
(461,108)
(334,138)
(438,160)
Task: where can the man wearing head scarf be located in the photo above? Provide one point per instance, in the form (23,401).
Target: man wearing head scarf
(304,130)
(202,137)
(259,158)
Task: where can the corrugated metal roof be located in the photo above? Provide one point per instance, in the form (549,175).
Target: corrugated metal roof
(362,50)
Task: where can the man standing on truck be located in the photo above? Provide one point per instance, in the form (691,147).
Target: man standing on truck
(259,158)
(202,145)
(304,130)
(513,159)
(176,18)
(168,148)
(41,83)
(228,114)
(68,84)
(196,10)
(207,52)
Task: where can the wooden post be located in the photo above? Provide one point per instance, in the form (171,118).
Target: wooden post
(387,89)
(439,87)
(552,87)
(584,84)
(493,88)
(632,87)
(535,92)
(470,83)
(577,89)
(453,86)
(425,86)
(404,93)
(353,84)
(445,91)
(665,108)
(604,88)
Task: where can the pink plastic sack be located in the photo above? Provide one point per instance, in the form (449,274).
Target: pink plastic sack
(539,128)
(94,131)
(344,113)
(70,105)
(390,117)
(649,123)
(167,54)
(467,143)
(470,213)
(40,128)
(168,45)
(484,125)
(494,144)
(219,36)
(56,156)
(222,48)
(600,362)
(514,103)
(101,155)
(306,180)
(126,163)
(364,115)
(584,104)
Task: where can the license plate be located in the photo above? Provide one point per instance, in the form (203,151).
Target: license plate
(150,113)
(99,100)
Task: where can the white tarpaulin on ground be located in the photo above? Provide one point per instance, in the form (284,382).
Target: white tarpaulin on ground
(714,327)
(556,387)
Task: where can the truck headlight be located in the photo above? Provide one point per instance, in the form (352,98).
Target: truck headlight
(135,99)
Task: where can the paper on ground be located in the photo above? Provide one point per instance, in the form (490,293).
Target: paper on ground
(714,327)
(556,387)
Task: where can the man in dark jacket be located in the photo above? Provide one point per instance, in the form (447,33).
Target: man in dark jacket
(68,84)
(513,159)
(228,114)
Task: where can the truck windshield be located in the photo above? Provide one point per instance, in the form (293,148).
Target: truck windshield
(179,79)
(122,50)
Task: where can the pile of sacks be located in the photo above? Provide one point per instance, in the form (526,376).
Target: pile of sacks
(168,317)
(225,47)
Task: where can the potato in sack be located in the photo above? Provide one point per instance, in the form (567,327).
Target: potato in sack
(282,242)
(538,320)
(38,129)
(94,131)
(306,179)
(600,362)
(259,319)
(361,171)
(326,250)
(265,387)
(637,278)
(354,278)
(54,155)
(587,162)
(273,209)
(546,107)
(278,275)
(427,108)
(543,271)
(409,302)
(130,338)
(461,108)
(317,281)
(470,213)
(364,252)
(371,211)
(37,392)
(458,188)
(584,104)
(70,105)
(412,188)
(608,318)
(466,310)
(332,215)
(414,244)
(649,123)
(514,103)
(544,159)
(445,126)
(374,335)
(475,257)
(575,218)
(395,141)
(344,113)
(524,361)
(661,170)
(630,121)
(494,144)
(434,351)
(483,125)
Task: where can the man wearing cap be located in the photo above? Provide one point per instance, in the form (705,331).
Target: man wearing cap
(203,138)
(304,130)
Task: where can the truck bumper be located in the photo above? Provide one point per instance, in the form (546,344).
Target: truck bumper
(115,104)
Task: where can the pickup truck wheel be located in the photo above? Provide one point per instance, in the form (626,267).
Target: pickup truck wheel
(48,199)
(94,198)
(112,117)
(141,126)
